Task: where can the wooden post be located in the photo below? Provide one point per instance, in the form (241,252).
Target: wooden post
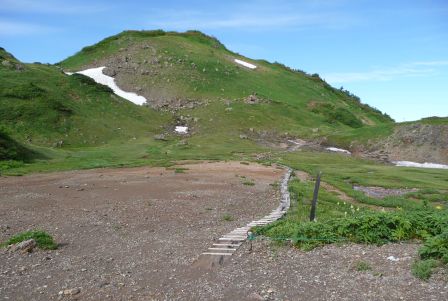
(314,202)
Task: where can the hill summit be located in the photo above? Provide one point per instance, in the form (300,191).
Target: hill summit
(177,70)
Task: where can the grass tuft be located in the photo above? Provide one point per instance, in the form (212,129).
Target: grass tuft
(43,239)
(362,266)
(227,217)
(423,269)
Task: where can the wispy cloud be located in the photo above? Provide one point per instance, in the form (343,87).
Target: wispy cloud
(251,15)
(12,28)
(48,7)
(423,68)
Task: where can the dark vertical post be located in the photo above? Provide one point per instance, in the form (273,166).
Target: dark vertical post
(314,203)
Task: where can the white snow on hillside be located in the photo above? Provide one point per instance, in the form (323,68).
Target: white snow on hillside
(97,75)
(181,129)
(339,150)
(245,64)
(420,165)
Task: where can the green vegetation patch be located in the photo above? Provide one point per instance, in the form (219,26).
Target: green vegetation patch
(43,239)
(362,266)
(423,269)
(227,217)
(249,183)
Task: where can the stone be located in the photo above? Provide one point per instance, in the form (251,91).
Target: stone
(109,72)
(242,136)
(24,246)
(70,292)
(161,137)
(255,296)
(252,99)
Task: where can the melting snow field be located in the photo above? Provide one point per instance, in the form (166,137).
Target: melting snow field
(421,165)
(181,129)
(339,150)
(245,64)
(97,75)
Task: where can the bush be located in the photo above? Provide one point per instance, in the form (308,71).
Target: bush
(11,151)
(346,117)
(371,228)
(436,247)
(334,114)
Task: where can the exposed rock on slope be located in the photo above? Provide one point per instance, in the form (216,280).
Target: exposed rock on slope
(417,142)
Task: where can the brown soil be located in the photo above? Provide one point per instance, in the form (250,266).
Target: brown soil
(124,232)
(135,234)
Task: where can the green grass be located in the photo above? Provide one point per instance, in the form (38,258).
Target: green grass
(43,240)
(341,222)
(423,269)
(249,183)
(362,266)
(180,170)
(227,217)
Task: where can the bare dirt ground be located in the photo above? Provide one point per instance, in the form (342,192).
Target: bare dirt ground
(134,234)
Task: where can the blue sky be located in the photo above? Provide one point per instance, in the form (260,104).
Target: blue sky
(392,54)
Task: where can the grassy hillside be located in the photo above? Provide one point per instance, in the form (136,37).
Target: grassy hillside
(40,105)
(191,67)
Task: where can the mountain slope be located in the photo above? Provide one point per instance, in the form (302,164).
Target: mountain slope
(41,105)
(177,70)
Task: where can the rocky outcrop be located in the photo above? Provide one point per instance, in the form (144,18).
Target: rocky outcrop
(415,142)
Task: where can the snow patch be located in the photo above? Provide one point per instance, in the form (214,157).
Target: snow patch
(392,258)
(294,142)
(97,75)
(181,129)
(339,150)
(245,64)
(420,165)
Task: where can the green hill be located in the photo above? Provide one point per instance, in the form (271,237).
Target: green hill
(182,69)
(189,79)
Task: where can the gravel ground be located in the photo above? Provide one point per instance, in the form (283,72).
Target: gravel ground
(135,234)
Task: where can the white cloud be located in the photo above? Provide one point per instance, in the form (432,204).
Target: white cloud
(423,68)
(11,28)
(47,6)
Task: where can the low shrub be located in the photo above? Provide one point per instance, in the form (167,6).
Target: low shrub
(423,268)
(370,228)
(436,247)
